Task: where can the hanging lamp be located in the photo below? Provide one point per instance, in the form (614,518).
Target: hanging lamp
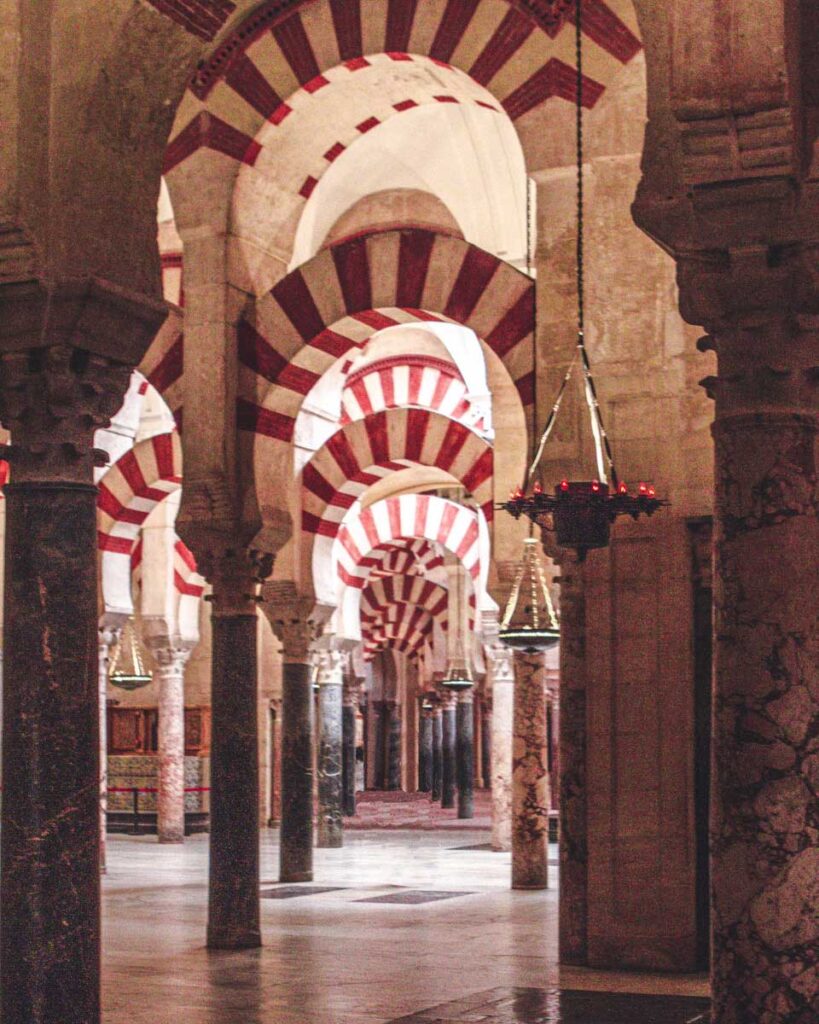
(537,628)
(127,669)
(581,512)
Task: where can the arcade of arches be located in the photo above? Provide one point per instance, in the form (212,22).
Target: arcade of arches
(287,289)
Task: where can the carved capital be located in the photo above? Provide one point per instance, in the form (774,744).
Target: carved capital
(53,400)
(501,663)
(235,574)
(760,309)
(331,663)
(169,652)
(296,620)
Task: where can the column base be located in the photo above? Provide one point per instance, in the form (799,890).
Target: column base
(295,876)
(218,939)
(530,886)
(171,839)
(330,843)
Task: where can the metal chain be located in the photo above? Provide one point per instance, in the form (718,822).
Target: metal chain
(581,290)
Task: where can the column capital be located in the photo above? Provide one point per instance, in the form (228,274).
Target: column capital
(235,574)
(170,652)
(296,620)
(501,664)
(331,663)
(351,693)
(66,353)
(53,400)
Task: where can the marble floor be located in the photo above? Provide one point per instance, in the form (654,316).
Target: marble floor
(409,927)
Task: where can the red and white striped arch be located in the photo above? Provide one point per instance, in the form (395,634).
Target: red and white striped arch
(337,300)
(163,364)
(407,632)
(405,558)
(128,493)
(360,453)
(401,381)
(405,518)
(381,598)
(521,50)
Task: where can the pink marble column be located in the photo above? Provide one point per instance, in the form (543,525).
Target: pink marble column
(107,636)
(503,684)
(758,306)
(171,659)
(530,775)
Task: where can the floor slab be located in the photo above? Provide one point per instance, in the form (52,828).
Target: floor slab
(329,958)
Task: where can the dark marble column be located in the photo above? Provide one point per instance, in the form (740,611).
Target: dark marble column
(465,753)
(290,619)
(425,751)
(378,710)
(393,770)
(437,753)
(51,400)
(530,776)
(486,742)
(449,777)
(233,904)
(573,901)
(348,761)
(330,832)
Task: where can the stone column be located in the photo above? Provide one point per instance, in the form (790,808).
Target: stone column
(503,684)
(233,897)
(437,753)
(393,743)
(108,635)
(425,751)
(330,833)
(52,399)
(465,753)
(486,742)
(292,624)
(573,901)
(448,749)
(348,761)
(765,765)
(376,724)
(530,775)
(171,655)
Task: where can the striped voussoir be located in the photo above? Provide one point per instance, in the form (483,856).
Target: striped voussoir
(128,493)
(360,453)
(402,381)
(406,517)
(405,558)
(335,302)
(162,367)
(407,632)
(382,599)
(282,48)
(186,579)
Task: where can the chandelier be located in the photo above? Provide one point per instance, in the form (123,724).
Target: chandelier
(580,512)
(537,627)
(127,670)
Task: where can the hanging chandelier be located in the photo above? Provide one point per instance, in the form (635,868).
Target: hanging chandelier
(580,512)
(537,628)
(127,669)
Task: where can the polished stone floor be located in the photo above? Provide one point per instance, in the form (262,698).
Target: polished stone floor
(410,927)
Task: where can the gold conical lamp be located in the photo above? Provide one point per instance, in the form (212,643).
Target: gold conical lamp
(127,670)
(529,622)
